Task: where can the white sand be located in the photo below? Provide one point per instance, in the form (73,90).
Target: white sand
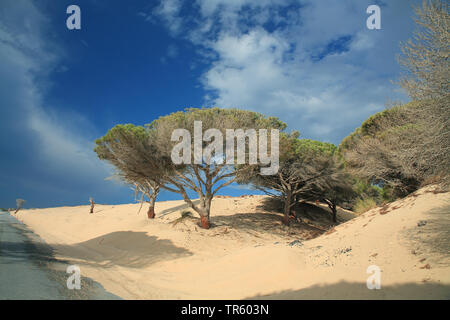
(247,254)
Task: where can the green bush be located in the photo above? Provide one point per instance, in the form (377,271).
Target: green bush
(387,194)
(363,205)
(367,190)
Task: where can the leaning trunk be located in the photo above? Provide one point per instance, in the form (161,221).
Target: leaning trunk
(333,209)
(204,222)
(151,212)
(152,198)
(287,208)
(202,209)
(151,208)
(92,206)
(205,211)
(332,206)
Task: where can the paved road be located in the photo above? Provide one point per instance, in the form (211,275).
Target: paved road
(28,269)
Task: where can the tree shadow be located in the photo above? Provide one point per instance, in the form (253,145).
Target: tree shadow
(431,236)
(121,248)
(319,214)
(37,252)
(26,247)
(260,223)
(167,211)
(354,290)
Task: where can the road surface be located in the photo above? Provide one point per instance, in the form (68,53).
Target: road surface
(28,269)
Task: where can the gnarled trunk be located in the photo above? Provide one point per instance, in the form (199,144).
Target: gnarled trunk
(151,212)
(287,207)
(333,209)
(332,206)
(286,220)
(205,210)
(92,205)
(151,208)
(204,222)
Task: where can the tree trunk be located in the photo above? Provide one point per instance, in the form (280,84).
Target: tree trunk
(286,220)
(287,208)
(333,209)
(151,208)
(92,206)
(202,210)
(151,212)
(205,212)
(204,222)
(293,206)
(332,205)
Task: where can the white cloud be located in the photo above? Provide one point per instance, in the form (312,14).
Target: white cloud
(169,11)
(271,70)
(172,51)
(240,51)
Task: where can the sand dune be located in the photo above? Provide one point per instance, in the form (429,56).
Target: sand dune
(249,253)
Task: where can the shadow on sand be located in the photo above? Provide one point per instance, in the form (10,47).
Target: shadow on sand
(432,235)
(348,290)
(122,248)
(269,223)
(318,213)
(184,206)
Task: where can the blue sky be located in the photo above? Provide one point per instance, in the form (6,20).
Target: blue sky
(314,64)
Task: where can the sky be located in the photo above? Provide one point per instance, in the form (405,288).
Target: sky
(313,64)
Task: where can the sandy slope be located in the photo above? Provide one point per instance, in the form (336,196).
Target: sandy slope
(247,254)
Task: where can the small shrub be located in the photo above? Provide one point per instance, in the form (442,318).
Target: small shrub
(388,194)
(363,205)
(184,215)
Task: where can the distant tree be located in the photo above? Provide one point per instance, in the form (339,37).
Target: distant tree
(91,201)
(334,188)
(308,169)
(369,195)
(145,153)
(19,204)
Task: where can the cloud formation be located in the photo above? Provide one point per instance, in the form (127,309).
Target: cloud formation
(47,151)
(312,63)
